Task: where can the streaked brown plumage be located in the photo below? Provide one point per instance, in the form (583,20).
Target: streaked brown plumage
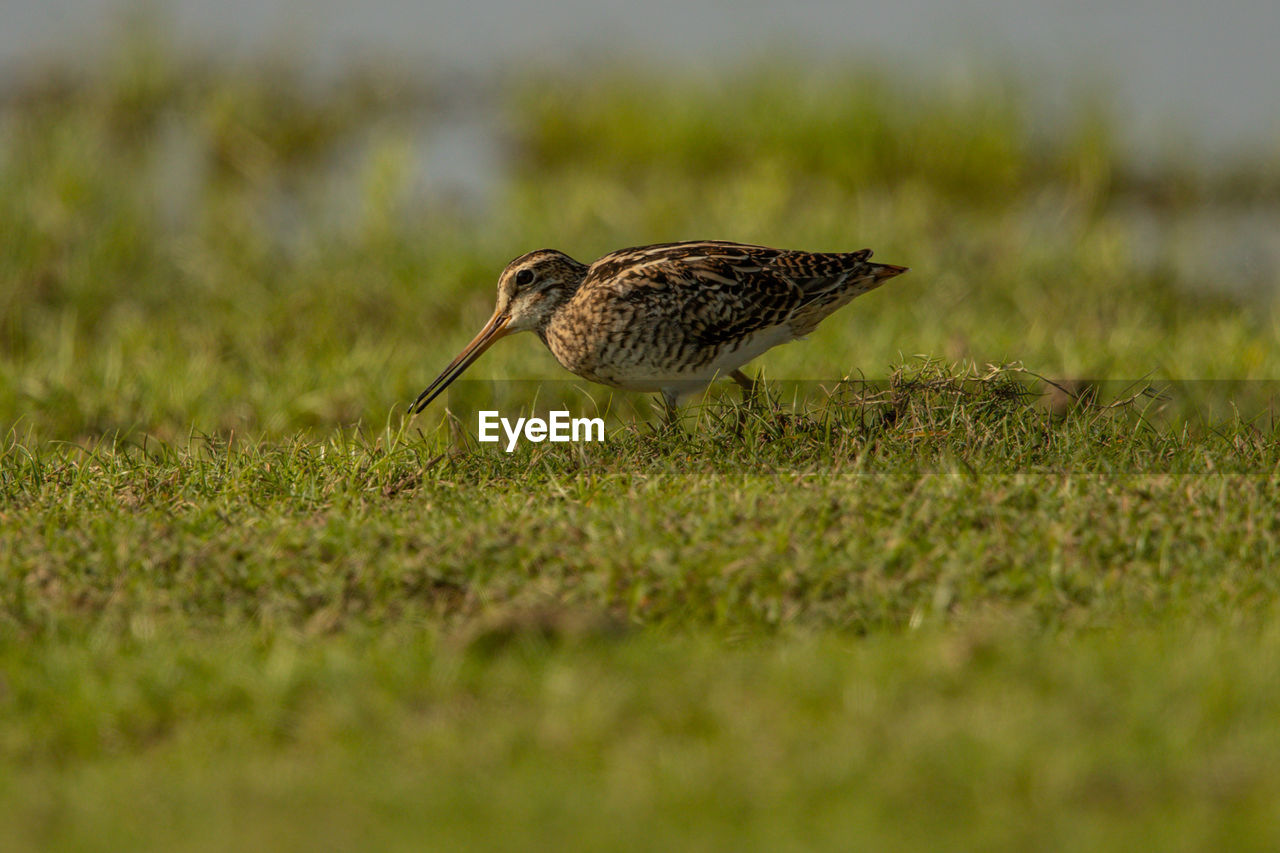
(670,317)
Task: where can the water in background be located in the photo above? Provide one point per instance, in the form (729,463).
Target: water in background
(1207,70)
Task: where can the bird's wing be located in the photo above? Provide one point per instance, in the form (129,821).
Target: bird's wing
(724,291)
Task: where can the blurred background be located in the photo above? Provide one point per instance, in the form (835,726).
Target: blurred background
(1195,69)
(276,216)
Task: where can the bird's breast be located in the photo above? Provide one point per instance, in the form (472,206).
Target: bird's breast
(597,341)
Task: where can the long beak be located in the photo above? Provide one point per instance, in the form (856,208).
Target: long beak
(494,329)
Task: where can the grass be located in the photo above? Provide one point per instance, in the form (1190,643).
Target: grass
(244,601)
(984,737)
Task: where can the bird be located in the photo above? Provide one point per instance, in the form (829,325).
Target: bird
(669,317)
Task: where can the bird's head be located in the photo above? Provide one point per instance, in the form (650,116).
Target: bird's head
(530,290)
(533,286)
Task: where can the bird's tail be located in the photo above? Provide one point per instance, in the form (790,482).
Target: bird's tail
(871,274)
(883,272)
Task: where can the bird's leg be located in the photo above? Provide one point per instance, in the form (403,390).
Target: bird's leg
(669,405)
(747,383)
(749,386)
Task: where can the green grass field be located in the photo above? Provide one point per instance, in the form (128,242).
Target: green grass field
(245,602)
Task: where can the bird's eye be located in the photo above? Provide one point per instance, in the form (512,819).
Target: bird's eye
(524,277)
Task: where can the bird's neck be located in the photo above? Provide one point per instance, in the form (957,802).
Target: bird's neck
(556,302)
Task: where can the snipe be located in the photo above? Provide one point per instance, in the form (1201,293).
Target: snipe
(670,317)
